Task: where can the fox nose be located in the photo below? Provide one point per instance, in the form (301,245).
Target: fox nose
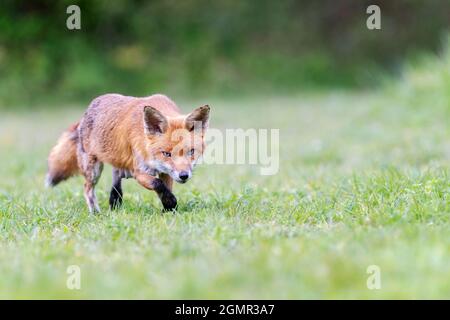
(184,175)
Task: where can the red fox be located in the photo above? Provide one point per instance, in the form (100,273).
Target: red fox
(138,137)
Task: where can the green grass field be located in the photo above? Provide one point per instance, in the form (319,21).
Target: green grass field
(364,180)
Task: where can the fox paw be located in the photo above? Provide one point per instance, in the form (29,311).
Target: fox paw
(167,198)
(169,201)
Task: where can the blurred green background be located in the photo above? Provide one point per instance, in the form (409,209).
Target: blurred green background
(225,47)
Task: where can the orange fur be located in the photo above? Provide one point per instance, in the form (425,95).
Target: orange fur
(62,161)
(131,134)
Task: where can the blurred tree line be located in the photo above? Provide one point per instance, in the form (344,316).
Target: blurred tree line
(194,47)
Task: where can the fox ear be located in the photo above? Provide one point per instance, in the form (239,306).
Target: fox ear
(198,118)
(154,121)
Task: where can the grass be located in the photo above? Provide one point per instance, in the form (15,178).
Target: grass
(364,180)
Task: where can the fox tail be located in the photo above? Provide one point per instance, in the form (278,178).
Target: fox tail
(62,161)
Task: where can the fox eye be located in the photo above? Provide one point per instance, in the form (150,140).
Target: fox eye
(191,152)
(166,154)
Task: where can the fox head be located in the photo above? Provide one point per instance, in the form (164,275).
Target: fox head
(174,144)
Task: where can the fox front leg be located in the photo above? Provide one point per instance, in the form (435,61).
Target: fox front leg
(168,181)
(166,196)
(116,195)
